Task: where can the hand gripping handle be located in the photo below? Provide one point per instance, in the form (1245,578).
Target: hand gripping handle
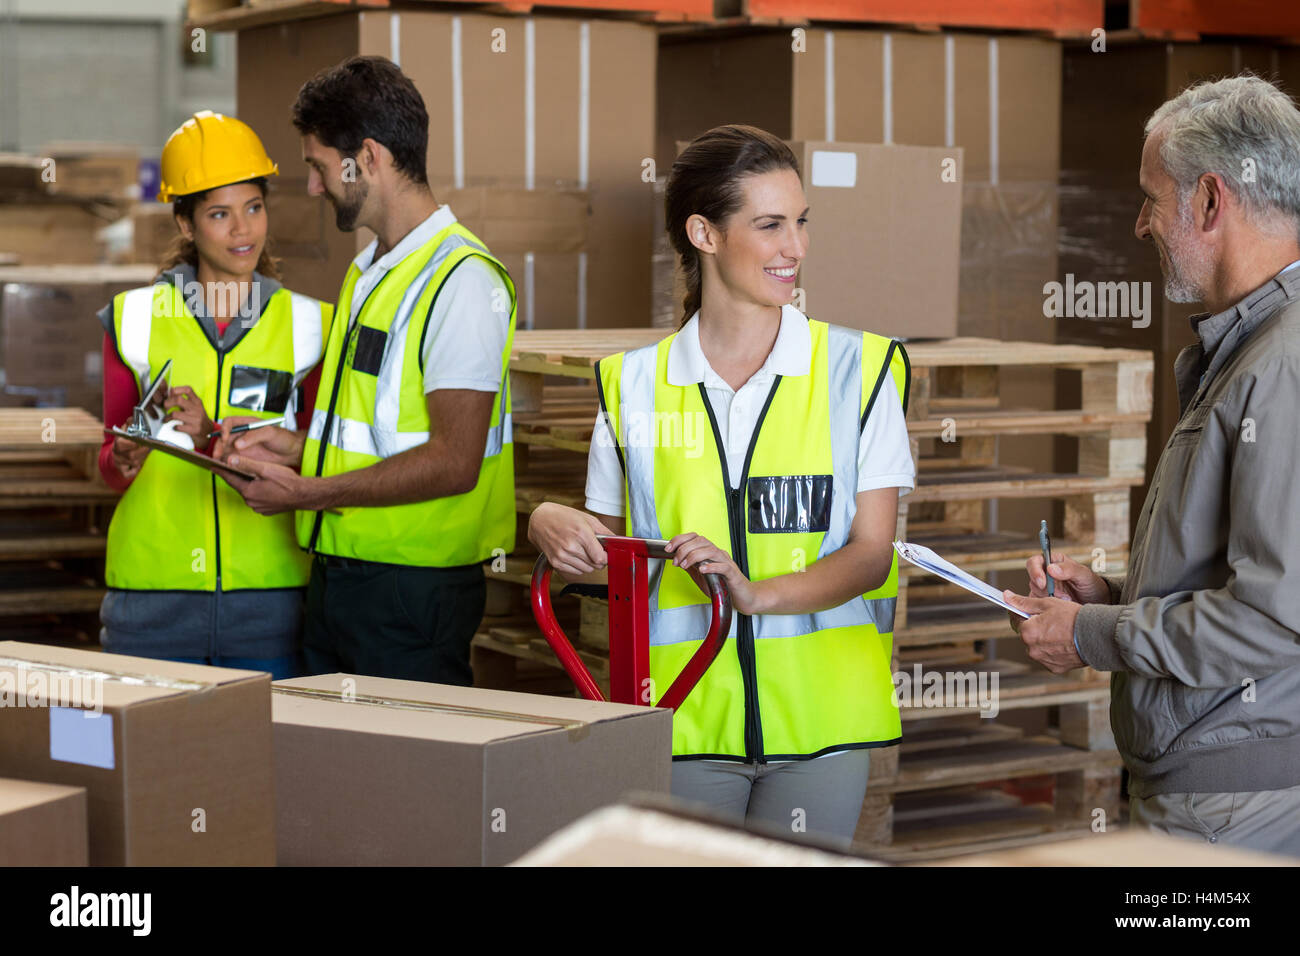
(719,625)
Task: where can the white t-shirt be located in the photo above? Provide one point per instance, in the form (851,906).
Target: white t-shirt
(466,335)
(884,453)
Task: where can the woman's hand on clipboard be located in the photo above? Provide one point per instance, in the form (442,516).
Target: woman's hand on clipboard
(128,457)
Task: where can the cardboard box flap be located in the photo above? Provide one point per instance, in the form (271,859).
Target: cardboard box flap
(20,794)
(442,712)
(66,275)
(118,680)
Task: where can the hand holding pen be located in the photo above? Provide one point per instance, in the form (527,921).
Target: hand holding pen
(1078,583)
(248,427)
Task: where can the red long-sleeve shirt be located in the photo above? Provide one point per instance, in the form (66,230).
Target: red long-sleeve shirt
(122,392)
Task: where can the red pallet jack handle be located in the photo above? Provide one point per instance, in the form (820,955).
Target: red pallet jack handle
(629,626)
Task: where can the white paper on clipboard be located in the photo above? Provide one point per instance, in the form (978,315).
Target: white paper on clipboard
(927,560)
(176,451)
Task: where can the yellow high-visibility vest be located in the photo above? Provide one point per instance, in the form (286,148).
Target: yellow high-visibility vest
(787,686)
(179,527)
(371,405)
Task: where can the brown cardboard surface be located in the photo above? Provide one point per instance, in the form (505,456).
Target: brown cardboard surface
(706,82)
(42,824)
(276,59)
(186,739)
(1009,217)
(95,170)
(883,255)
(757,78)
(519,220)
(625,835)
(49,337)
(153,228)
(52,231)
(411,782)
(23,175)
(1130,846)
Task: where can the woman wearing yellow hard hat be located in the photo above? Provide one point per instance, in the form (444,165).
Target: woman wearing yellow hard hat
(193,573)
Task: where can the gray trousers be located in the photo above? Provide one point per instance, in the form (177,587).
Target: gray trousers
(818,799)
(1265,820)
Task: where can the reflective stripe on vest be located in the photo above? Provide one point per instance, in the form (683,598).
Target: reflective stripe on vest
(137,326)
(178,527)
(373,406)
(822,413)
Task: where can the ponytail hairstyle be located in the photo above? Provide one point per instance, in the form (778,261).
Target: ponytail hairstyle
(706,179)
(184,250)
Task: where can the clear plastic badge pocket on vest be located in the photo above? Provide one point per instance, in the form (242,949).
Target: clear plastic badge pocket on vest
(260,389)
(368,350)
(783,504)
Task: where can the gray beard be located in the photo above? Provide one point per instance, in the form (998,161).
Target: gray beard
(1178,289)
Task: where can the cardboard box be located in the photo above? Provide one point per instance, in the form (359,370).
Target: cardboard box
(54,231)
(898,247)
(24,176)
(1130,846)
(153,228)
(672,835)
(95,171)
(414,774)
(886,238)
(51,344)
(176,766)
(599,141)
(42,824)
(996,98)
(540,235)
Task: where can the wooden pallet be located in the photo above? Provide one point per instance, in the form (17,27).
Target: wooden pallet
(54,512)
(961,784)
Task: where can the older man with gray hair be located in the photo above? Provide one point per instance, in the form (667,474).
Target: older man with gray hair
(1202,635)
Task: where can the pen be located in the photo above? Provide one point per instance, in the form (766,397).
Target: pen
(249,427)
(1046,542)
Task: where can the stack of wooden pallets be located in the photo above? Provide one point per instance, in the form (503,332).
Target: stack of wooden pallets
(1047,764)
(54,512)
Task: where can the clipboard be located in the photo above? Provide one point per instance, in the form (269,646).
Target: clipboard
(146,420)
(206,462)
(927,560)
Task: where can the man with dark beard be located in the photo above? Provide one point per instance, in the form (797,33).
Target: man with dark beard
(1202,634)
(404,483)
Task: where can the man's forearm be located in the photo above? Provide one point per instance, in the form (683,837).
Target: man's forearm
(419,474)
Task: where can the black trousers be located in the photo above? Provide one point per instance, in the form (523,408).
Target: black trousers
(392,620)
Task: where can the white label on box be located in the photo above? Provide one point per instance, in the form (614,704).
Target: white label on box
(834,168)
(81,736)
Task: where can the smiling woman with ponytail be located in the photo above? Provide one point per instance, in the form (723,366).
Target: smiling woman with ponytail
(794,501)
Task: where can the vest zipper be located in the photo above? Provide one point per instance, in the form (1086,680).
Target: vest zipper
(216,524)
(745,632)
(745,651)
(334,397)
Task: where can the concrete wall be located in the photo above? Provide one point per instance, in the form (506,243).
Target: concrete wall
(89,70)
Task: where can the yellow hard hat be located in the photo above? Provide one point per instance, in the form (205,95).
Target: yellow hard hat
(211,150)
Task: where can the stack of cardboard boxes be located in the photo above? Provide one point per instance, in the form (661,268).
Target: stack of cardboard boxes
(55,205)
(550,120)
(130,761)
